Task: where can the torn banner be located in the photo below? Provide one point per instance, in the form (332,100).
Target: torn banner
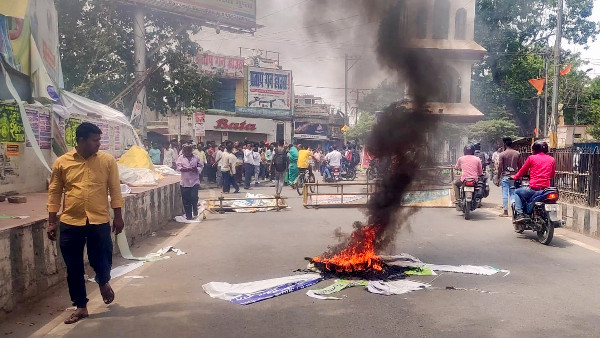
(252,292)
(395,287)
(155,256)
(406,260)
(337,286)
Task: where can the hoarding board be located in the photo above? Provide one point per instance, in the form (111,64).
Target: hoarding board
(220,65)
(269,88)
(307,130)
(240,14)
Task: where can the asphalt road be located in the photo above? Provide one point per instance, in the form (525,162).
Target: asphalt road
(551,291)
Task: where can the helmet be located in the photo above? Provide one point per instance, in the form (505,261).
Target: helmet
(469,149)
(540,147)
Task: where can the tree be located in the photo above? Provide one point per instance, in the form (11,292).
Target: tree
(517,35)
(96,46)
(491,132)
(381,97)
(362,128)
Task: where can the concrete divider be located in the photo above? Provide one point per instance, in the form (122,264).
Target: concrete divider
(581,219)
(30,263)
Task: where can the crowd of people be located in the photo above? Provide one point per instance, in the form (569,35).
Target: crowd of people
(235,164)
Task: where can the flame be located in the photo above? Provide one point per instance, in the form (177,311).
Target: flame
(359,255)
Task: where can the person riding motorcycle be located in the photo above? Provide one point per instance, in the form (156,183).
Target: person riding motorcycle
(541,167)
(334,160)
(471,169)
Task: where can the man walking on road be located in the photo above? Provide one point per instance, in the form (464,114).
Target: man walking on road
(508,164)
(228,169)
(87,177)
(248,166)
(280,164)
(190,166)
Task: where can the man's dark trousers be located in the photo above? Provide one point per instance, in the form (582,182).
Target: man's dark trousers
(189,196)
(99,249)
(248,172)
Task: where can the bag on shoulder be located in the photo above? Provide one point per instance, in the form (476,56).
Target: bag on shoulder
(279,160)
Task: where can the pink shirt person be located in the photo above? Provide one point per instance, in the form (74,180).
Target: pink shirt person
(470,166)
(541,169)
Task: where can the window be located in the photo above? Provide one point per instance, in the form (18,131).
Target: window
(307,101)
(577,135)
(460,24)
(421,23)
(441,19)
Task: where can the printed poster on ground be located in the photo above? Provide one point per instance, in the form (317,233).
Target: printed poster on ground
(269,88)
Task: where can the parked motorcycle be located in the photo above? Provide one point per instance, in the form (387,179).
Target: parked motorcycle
(542,213)
(471,194)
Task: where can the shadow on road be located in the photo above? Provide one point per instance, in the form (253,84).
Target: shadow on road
(532,237)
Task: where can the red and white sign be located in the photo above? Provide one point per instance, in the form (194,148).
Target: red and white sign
(220,65)
(235,124)
(199,128)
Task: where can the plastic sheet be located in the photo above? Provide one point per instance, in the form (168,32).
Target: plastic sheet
(138,177)
(395,287)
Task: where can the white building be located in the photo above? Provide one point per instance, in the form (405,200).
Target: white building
(446,29)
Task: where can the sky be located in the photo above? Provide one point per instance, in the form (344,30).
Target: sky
(316,62)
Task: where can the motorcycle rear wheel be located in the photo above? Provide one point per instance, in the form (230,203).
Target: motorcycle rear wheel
(466,210)
(371,175)
(546,233)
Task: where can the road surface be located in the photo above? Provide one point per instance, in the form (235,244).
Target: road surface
(551,291)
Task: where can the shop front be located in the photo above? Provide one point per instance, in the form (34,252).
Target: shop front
(221,128)
(313,135)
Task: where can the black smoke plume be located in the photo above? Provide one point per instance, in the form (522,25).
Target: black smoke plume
(399,138)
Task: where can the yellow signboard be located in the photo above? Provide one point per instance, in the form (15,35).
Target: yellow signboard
(345,129)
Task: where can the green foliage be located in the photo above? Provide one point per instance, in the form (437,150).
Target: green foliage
(362,128)
(381,97)
(96,46)
(492,131)
(516,35)
(450,131)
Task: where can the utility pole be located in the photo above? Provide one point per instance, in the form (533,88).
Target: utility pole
(346,89)
(537,115)
(556,88)
(139,49)
(546,66)
(346,70)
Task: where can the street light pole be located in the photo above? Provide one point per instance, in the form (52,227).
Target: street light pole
(556,88)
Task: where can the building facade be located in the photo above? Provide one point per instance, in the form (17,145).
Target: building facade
(446,30)
(316,124)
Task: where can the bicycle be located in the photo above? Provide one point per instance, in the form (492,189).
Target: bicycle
(306,176)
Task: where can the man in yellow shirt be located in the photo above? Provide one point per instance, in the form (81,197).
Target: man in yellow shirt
(304,156)
(87,177)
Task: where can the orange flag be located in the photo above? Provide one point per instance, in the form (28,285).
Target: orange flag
(538,84)
(566,70)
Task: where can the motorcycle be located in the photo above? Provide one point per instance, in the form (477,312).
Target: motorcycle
(542,213)
(331,175)
(348,172)
(471,194)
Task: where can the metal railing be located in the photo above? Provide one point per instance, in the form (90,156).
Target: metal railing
(577,175)
(431,179)
(312,191)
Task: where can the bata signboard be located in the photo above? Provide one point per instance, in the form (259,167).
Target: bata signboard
(269,88)
(238,14)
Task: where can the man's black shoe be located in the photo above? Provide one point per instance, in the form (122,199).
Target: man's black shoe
(521,218)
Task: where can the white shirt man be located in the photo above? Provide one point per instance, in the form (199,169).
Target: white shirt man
(248,156)
(170,157)
(334,158)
